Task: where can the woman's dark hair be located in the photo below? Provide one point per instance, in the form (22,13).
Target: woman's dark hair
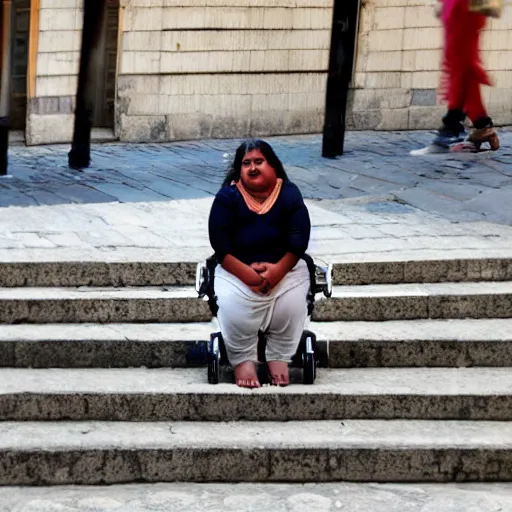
(233,173)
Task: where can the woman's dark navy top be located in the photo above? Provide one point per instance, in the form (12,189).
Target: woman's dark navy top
(236,230)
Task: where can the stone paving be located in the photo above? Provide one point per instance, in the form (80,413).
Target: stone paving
(262,498)
(151,201)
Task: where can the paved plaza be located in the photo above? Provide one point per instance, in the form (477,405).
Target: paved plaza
(151,201)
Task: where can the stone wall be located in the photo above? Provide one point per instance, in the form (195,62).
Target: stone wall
(193,68)
(398,61)
(50,112)
(232,68)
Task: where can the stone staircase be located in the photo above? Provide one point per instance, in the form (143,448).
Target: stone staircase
(94,386)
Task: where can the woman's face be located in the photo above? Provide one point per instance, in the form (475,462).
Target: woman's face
(257,174)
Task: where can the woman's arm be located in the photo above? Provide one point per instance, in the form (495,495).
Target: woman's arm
(298,226)
(221,230)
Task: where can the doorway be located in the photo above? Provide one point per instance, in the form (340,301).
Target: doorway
(104,111)
(21,31)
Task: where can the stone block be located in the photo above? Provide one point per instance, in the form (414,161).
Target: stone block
(424,97)
(421,16)
(384,61)
(44,105)
(470,306)
(49,129)
(305,121)
(371,309)
(140,84)
(204,465)
(385,40)
(422,38)
(389,18)
(61,4)
(383,80)
(213,40)
(425,79)
(228,127)
(378,119)
(105,311)
(141,63)
(425,118)
(192,126)
(61,40)
(368,273)
(267,123)
(67,104)
(65,85)
(371,99)
(143,128)
(60,19)
(58,63)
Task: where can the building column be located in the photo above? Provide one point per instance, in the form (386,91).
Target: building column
(7,24)
(341,61)
(91,58)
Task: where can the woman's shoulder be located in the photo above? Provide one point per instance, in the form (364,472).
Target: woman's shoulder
(291,192)
(228,193)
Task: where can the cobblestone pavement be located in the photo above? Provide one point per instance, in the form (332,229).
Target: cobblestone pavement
(262,498)
(151,201)
(376,164)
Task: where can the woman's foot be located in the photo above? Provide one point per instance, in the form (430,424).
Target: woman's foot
(246,376)
(279,373)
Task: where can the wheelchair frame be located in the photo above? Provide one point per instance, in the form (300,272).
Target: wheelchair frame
(216,356)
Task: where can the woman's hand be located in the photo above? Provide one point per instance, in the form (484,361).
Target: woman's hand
(271,273)
(253,278)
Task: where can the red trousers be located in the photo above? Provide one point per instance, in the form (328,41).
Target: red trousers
(462,66)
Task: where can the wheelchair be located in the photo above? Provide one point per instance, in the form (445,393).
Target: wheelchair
(214,351)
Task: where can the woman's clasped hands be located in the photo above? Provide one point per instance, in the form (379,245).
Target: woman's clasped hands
(269,273)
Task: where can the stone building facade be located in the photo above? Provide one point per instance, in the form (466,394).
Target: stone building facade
(187,69)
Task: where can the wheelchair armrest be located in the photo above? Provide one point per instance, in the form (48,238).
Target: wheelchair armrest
(323,278)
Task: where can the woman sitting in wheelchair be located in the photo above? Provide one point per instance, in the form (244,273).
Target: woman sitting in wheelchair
(259,228)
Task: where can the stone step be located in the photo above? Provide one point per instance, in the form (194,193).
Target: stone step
(417,301)
(53,453)
(184,395)
(179,304)
(154,273)
(261,497)
(444,343)
(102,305)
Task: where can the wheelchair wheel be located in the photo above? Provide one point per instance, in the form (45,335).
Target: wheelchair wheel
(308,345)
(213,370)
(309,369)
(214,356)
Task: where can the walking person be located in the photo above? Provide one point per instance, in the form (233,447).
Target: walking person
(462,77)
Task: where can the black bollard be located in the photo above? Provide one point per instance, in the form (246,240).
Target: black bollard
(4,145)
(93,34)
(6,48)
(341,61)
